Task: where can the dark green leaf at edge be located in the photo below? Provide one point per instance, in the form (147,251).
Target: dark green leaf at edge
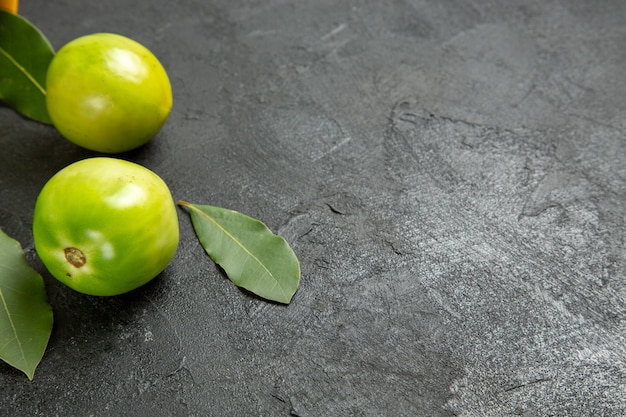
(25,54)
(252,256)
(25,315)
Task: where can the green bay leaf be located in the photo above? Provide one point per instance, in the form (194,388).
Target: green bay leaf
(25,54)
(252,256)
(25,315)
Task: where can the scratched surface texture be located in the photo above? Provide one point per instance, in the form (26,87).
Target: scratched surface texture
(451,174)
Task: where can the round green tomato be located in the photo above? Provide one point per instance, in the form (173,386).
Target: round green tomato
(107,93)
(105,226)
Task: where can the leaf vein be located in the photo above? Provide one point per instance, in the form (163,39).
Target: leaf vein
(6,308)
(23,70)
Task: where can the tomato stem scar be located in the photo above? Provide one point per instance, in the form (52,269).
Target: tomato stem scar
(75,256)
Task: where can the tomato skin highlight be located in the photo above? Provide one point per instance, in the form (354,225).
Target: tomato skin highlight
(107,93)
(105,226)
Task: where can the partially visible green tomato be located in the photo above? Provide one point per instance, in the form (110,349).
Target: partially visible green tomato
(107,93)
(105,226)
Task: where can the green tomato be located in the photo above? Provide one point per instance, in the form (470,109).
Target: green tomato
(105,226)
(107,93)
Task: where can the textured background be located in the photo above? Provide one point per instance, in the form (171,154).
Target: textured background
(450,173)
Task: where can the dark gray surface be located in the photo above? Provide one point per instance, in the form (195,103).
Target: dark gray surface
(451,175)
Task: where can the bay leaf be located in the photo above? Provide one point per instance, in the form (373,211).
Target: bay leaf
(252,256)
(25,55)
(25,315)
